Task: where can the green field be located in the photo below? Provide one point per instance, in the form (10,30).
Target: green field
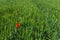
(39,19)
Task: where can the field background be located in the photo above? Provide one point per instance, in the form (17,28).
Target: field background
(39,19)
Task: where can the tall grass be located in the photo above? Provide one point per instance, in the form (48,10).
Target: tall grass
(39,19)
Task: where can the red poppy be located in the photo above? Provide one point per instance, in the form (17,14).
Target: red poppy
(17,25)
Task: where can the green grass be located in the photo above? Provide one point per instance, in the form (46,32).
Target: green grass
(39,19)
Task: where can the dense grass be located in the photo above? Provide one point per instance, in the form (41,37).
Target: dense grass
(39,19)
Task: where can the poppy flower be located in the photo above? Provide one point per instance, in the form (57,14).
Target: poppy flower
(17,25)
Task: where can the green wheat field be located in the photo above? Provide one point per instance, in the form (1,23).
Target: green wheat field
(39,19)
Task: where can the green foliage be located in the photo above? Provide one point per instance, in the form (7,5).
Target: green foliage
(39,19)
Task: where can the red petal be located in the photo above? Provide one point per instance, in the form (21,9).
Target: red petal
(17,25)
